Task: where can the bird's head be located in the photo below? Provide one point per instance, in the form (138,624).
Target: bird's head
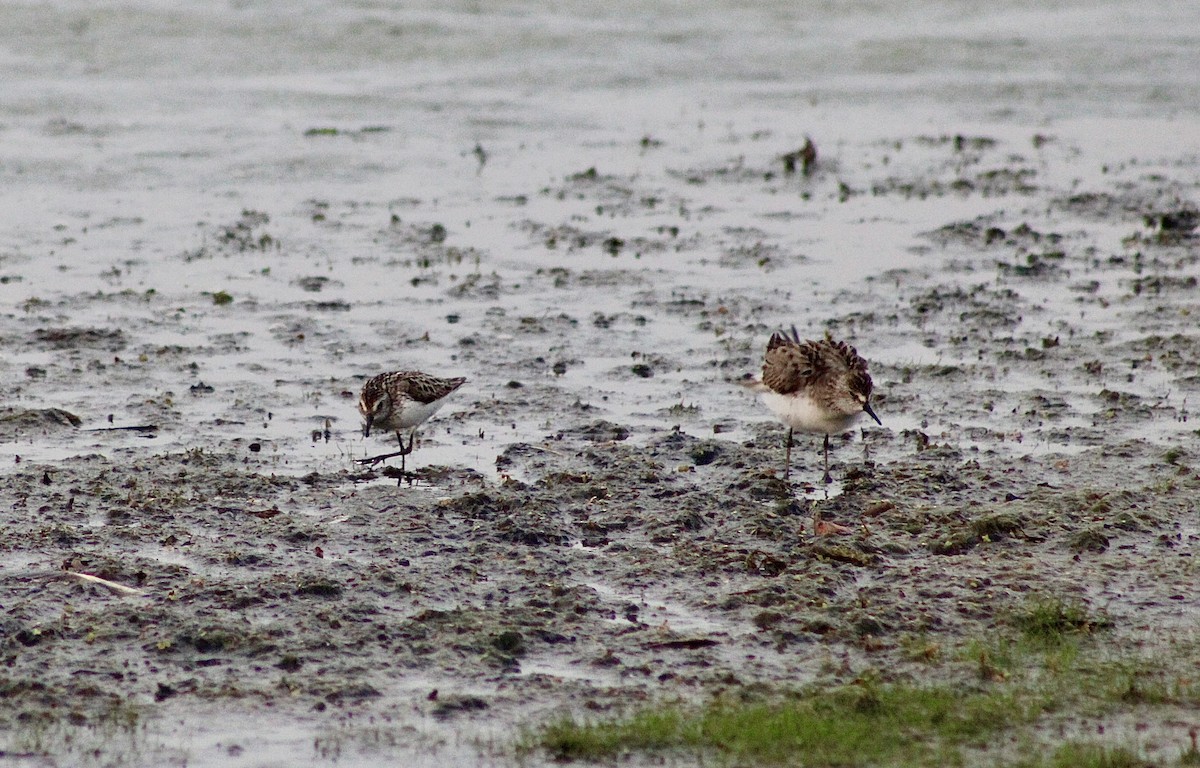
(860,390)
(374,406)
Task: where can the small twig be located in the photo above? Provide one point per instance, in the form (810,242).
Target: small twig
(111,586)
(547,450)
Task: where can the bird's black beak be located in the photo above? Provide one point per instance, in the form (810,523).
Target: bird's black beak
(367,427)
(871,413)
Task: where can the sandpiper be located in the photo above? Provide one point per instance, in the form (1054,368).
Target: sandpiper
(399,401)
(819,387)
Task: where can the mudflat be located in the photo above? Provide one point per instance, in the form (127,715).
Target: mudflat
(597,519)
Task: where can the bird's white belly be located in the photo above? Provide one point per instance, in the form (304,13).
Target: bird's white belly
(412,415)
(803,413)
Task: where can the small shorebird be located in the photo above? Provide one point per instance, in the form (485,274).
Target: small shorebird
(819,387)
(399,401)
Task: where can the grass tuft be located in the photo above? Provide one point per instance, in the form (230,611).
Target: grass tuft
(1051,620)
(649,730)
(1083,755)
(1025,680)
(862,724)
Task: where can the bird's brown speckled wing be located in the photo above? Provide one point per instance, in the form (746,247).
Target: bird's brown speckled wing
(415,385)
(788,366)
(791,365)
(850,365)
(425,388)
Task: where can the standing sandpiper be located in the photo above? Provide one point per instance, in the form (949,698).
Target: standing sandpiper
(819,387)
(399,401)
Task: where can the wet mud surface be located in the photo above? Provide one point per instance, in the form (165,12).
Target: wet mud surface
(1034,387)
(598,518)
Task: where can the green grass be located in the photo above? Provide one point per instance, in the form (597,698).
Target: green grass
(1086,755)
(998,701)
(1052,619)
(862,724)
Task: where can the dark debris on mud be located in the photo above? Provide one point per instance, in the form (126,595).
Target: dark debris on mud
(321,592)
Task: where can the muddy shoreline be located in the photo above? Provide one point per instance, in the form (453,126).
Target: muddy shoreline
(626,554)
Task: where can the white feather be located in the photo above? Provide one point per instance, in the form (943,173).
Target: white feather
(411,414)
(800,412)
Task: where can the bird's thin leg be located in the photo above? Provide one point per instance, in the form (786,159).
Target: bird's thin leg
(373,460)
(402,453)
(405,451)
(412,438)
(787,461)
(828,477)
